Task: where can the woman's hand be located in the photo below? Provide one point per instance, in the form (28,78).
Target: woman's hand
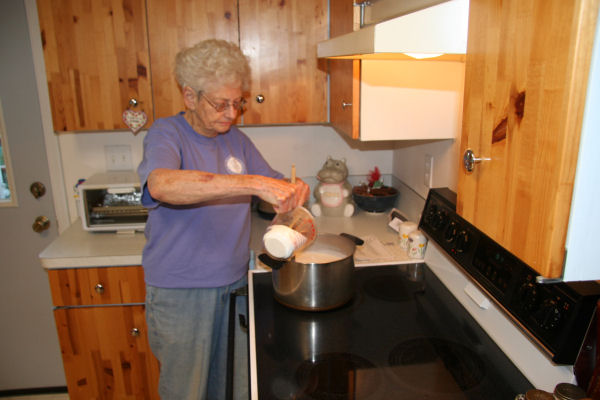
(284,195)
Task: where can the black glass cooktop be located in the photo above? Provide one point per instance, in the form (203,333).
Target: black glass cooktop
(402,336)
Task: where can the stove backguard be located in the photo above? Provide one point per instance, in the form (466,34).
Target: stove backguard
(555,315)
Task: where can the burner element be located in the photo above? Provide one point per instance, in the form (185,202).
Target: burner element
(437,365)
(336,376)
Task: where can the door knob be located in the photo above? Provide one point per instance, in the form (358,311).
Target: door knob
(344,105)
(469,160)
(260,98)
(40,224)
(37,189)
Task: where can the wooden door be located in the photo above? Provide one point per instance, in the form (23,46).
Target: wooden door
(103,356)
(344,75)
(96,56)
(281,40)
(174,25)
(525,85)
(344,96)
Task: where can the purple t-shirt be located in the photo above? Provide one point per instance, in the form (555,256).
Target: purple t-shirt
(205,244)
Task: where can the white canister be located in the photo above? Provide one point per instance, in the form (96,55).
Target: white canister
(404,230)
(417,243)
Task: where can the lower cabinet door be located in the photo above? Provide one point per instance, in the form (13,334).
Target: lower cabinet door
(106,354)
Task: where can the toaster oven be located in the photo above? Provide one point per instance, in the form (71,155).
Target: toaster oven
(112,202)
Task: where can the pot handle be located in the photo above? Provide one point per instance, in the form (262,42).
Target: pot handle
(270,261)
(357,240)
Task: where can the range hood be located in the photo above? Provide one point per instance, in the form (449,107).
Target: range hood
(437,31)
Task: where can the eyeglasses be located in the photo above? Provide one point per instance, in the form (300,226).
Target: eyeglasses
(237,105)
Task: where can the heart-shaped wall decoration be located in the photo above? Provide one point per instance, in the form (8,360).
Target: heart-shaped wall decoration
(135,120)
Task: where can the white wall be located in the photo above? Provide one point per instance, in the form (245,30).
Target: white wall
(306,146)
(409,164)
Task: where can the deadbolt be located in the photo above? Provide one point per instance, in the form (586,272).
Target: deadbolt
(41,224)
(37,189)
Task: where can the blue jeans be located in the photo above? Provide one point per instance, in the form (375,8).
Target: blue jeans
(187,331)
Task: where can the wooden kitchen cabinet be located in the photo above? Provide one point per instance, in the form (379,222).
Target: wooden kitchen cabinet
(392,97)
(289,82)
(97,60)
(344,75)
(100,319)
(99,55)
(176,24)
(396,99)
(526,80)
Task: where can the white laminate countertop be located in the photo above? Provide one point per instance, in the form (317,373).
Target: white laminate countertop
(76,248)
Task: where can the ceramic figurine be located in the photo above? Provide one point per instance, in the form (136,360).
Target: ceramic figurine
(333,193)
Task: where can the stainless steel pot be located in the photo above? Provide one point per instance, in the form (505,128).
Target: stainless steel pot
(314,286)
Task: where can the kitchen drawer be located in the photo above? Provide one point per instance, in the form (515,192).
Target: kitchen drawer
(95,286)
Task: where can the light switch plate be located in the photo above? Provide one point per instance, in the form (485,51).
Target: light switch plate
(118,157)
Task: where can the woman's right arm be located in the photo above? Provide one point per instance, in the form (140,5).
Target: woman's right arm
(175,186)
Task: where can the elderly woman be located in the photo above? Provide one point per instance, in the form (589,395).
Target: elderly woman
(199,173)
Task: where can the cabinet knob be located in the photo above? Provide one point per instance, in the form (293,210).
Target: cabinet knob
(469,160)
(135,332)
(344,105)
(40,224)
(99,288)
(260,98)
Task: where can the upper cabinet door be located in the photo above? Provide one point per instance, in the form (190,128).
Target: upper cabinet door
(96,55)
(174,25)
(289,83)
(344,75)
(525,92)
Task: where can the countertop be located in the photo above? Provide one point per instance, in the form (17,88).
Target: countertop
(76,248)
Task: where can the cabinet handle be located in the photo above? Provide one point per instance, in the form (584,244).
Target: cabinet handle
(135,332)
(99,288)
(469,160)
(260,98)
(344,105)
(40,224)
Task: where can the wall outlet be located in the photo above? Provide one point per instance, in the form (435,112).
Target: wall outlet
(428,175)
(118,158)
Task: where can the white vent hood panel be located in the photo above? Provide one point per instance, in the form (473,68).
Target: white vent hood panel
(441,29)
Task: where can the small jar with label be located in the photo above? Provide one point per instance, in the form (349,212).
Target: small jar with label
(405,229)
(417,244)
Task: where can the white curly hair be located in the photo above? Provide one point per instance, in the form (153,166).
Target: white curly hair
(211,64)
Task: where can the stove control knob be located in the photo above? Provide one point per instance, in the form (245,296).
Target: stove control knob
(431,211)
(438,220)
(451,232)
(549,315)
(462,241)
(528,295)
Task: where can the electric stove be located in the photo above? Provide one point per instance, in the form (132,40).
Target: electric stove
(402,336)
(471,322)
